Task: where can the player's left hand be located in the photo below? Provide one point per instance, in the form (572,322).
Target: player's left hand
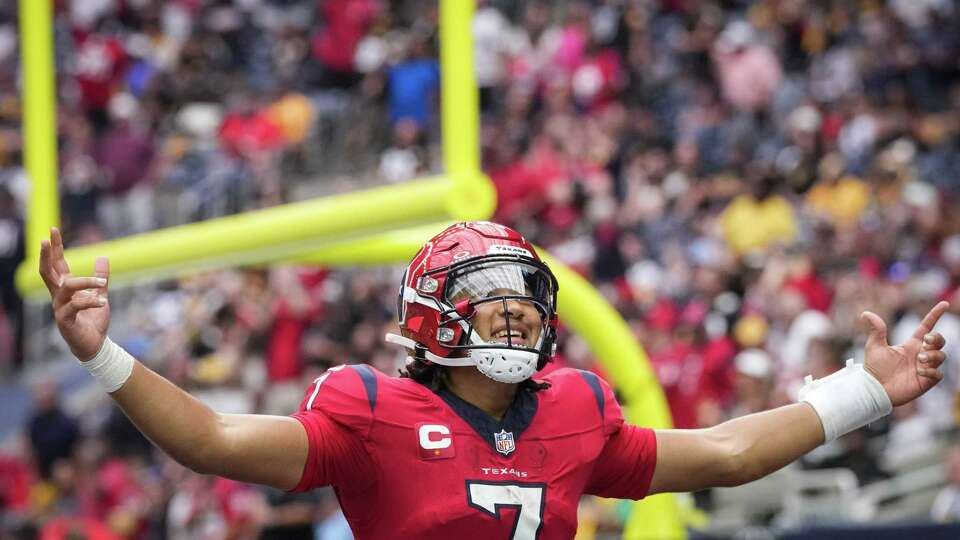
(908,370)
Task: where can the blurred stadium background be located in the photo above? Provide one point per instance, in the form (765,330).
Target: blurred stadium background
(740,179)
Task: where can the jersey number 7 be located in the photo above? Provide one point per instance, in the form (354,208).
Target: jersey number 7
(528,499)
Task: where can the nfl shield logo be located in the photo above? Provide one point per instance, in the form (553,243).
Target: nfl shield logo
(504,442)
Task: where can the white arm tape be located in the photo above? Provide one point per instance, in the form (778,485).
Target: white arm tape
(111,367)
(846,400)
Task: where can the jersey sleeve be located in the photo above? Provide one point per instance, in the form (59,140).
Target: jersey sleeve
(337,413)
(625,466)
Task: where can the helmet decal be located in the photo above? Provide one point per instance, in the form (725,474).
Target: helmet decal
(509,250)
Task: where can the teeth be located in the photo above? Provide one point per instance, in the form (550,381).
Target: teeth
(503,334)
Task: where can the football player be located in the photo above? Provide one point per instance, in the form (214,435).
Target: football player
(469,443)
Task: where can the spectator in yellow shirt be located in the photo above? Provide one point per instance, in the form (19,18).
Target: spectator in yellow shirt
(841,201)
(756,220)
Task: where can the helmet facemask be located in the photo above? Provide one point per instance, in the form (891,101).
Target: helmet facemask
(518,285)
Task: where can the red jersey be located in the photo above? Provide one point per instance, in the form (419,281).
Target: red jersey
(408,463)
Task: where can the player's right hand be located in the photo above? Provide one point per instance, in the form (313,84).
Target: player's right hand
(80,304)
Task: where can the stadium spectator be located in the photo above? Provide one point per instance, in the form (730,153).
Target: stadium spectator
(290,515)
(413,85)
(749,72)
(758,220)
(946,507)
(754,388)
(125,153)
(53,434)
(210,507)
(15,483)
(346,23)
(295,305)
(249,132)
(11,255)
(100,63)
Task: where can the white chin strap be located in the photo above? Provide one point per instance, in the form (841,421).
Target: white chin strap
(502,365)
(412,345)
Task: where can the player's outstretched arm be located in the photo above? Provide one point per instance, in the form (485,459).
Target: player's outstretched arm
(747,448)
(270,450)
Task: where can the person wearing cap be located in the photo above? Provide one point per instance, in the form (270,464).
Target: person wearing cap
(753,382)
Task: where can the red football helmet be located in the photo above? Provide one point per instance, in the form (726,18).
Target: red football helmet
(469,264)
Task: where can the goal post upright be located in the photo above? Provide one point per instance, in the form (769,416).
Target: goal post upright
(39,109)
(473,195)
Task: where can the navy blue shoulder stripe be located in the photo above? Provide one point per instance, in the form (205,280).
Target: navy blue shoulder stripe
(594,383)
(369,379)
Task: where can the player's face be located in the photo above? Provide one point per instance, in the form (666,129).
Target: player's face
(490,320)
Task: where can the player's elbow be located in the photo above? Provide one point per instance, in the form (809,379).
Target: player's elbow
(198,465)
(205,463)
(209,455)
(197,460)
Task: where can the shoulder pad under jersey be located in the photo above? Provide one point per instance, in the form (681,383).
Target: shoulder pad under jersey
(347,394)
(589,395)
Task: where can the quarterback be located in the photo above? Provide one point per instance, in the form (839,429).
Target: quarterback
(469,443)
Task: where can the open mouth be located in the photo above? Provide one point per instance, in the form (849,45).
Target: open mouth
(513,337)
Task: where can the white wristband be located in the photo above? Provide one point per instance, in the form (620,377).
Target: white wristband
(846,400)
(111,366)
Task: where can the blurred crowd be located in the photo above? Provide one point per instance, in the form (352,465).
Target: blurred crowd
(740,179)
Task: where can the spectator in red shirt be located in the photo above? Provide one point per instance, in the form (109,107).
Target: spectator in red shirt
(248,132)
(99,67)
(15,481)
(295,306)
(336,43)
